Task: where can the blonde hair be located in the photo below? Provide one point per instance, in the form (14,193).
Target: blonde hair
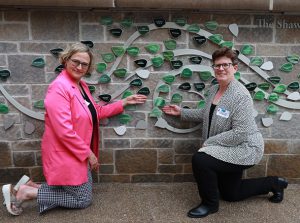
(77,48)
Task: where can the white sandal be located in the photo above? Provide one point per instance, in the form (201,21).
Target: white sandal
(6,190)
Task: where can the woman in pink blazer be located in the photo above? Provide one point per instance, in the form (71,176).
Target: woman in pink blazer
(71,139)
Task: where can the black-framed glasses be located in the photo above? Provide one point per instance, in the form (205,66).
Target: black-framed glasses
(76,63)
(218,66)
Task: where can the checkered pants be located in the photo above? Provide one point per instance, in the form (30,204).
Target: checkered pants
(80,196)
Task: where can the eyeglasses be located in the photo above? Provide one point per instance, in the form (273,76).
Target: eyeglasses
(218,66)
(76,63)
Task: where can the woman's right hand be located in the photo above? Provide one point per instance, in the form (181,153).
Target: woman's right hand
(93,161)
(172,110)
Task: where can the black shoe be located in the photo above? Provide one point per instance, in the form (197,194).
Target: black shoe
(201,211)
(278,190)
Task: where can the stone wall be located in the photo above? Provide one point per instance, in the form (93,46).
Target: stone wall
(154,154)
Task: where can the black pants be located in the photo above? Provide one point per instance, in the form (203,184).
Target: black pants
(216,177)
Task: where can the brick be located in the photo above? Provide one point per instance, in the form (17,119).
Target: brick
(136,161)
(33,47)
(170,168)
(8,47)
(116,143)
(22,159)
(294,147)
(151,143)
(184,178)
(166,156)
(5,158)
(186,146)
(183,159)
(114,178)
(11,134)
(106,169)
(36,174)
(286,166)
(16,16)
(187,168)
(106,156)
(152,178)
(12,175)
(14,32)
(92,32)
(276,146)
(253,35)
(256,171)
(26,145)
(17,90)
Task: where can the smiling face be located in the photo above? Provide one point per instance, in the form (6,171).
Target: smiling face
(78,65)
(224,70)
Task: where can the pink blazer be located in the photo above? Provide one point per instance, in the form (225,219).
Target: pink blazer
(68,131)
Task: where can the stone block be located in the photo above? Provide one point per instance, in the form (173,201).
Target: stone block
(26,145)
(136,161)
(17,89)
(95,17)
(170,168)
(152,143)
(182,146)
(12,134)
(286,166)
(3,61)
(183,159)
(106,169)
(22,159)
(42,48)
(14,32)
(240,19)
(8,47)
(106,156)
(294,147)
(131,132)
(276,146)
(187,168)
(5,158)
(114,178)
(92,32)
(284,130)
(272,50)
(253,35)
(256,171)
(184,178)
(38,156)
(116,143)
(12,175)
(165,156)
(51,25)
(19,16)
(287,30)
(39,128)
(23,72)
(152,178)
(36,174)
(38,92)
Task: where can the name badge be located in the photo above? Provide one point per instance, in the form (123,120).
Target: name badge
(87,103)
(223,112)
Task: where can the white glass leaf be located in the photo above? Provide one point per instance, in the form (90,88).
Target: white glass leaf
(161,123)
(286,116)
(143,73)
(267,66)
(267,122)
(234,29)
(120,130)
(295,96)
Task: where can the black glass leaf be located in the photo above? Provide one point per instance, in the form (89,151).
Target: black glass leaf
(136,83)
(185,86)
(199,39)
(196,60)
(251,86)
(159,22)
(59,68)
(105,97)
(55,52)
(214,81)
(116,32)
(186,107)
(141,62)
(4,74)
(89,43)
(176,64)
(144,91)
(175,32)
(199,86)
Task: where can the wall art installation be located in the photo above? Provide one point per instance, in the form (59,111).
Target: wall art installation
(185,64)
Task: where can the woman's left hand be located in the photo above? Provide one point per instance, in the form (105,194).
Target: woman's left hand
(134,99)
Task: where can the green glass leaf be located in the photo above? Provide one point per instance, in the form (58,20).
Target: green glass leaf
(287,67)
(274,80)
(259,96)
(272,109)
(194,28)
(280,88)
(152,48)
(104,79)
(59,68)
(237,75)
(159,102)
(3,108)
(126,94)
(168,55)
(211,25)
(92,88)
(256,61)
(205,75)
(169,79)
(247,49)
(155,113)
(170,44)
(157,61)
(126,23)
(164,88)
(118,50)
(201,104)
(143,29)
(264,86)
(4,74)
(136,83)
(106,21)
(176,98)
(186,73)
(108,57)
(180,21)
(55,52)
(133,51)
(227,44)
(38,62)
(121,72)
(39,104)
(100,67)
(144,91)
(294,59)
(125,118)
(216,38)
(293,86)
(251,86)
(273,97)
(199,86)
(176,64)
